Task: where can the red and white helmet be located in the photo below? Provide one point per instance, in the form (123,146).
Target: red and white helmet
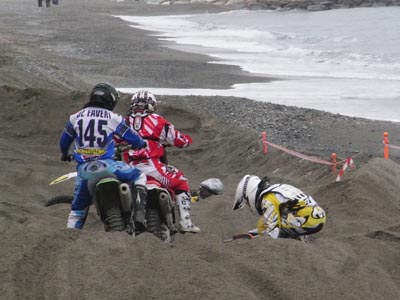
(143,101)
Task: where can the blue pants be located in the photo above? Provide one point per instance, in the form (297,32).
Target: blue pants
(88,175)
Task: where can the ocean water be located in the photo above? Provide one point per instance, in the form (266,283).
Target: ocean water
(343,61)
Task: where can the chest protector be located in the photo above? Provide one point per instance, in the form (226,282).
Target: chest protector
(289,192)
(137,122)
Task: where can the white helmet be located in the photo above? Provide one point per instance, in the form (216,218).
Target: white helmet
(144,101)
(246,192)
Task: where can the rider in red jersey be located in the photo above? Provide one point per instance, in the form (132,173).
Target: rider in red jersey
(158,132)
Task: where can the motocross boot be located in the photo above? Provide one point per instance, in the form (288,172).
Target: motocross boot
(77,218)
(186,224)
(139,207)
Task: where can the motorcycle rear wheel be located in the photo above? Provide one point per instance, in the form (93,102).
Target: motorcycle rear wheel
(155,225)
(114,220)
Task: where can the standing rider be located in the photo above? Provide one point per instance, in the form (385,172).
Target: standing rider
(158,132)
(93,128)
(286,211)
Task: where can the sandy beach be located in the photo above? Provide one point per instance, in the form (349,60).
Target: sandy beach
(49,60)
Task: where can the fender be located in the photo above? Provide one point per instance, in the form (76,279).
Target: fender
(64,178)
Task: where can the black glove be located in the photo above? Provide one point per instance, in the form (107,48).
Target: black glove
(66,157)
(292,203)
(287,207)
(122,147)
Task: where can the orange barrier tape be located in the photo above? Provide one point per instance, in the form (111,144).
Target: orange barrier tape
(346,162)
(300,155)
(393,146)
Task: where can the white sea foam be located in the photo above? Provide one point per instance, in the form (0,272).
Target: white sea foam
(342,61)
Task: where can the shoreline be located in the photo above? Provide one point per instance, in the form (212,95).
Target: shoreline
(343,96)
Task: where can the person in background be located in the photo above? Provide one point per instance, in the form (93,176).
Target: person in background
(41,1)
(159,133)
(93,129)
(286,211)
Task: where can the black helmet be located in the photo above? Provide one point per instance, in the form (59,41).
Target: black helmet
(103,95)
(143,101)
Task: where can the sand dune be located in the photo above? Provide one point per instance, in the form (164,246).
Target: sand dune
(355,256)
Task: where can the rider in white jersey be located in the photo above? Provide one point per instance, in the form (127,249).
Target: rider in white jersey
(93,129)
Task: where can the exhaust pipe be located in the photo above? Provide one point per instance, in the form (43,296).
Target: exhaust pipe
(163,196)
(126,196)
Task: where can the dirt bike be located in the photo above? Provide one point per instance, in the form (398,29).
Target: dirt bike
(160,207)
(160,211)
(113,202)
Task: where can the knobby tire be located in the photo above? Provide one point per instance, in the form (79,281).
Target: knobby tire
(114,220)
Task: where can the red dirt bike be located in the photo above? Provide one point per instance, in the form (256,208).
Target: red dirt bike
(160,211)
